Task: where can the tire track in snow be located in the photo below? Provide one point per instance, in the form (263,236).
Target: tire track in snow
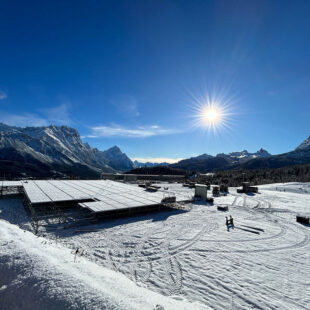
(282,232)
(300,244)
(174,275)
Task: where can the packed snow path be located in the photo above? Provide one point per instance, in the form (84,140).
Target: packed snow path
(264,263)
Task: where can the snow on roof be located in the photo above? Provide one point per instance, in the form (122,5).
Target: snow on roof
(108,194)
(10,183)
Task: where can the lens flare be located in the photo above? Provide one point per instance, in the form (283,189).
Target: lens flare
(211,113)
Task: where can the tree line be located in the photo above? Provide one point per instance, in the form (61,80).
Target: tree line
(298,173)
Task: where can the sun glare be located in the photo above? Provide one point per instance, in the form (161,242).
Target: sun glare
(212,114)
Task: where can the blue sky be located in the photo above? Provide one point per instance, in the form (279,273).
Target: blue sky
(130,72)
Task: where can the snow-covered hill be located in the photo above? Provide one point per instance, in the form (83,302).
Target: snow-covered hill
(179,259)
(37,273)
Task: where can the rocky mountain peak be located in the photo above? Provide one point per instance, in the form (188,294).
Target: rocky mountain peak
(263,152)
(115,157)
(114,148)
(304,145)
(60,145)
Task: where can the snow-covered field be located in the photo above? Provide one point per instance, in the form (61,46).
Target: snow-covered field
(179,259)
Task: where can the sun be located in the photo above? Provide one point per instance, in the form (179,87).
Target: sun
(211,116)
(211,113)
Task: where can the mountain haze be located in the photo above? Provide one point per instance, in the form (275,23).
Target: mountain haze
(139,164)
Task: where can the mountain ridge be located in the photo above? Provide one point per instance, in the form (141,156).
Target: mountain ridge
(208,162)
(61,147)
(245,160)
(58,151)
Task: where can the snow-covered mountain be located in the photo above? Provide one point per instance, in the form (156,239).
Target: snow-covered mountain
(116,159)
(304,145)
(245,160)
(60,149)
(206,162)
(243,156)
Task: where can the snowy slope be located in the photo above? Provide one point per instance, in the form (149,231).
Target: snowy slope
(186,255)
(37,273)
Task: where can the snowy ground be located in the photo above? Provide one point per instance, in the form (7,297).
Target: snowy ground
(180,259)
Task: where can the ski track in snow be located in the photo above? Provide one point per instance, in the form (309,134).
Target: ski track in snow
(191,257)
